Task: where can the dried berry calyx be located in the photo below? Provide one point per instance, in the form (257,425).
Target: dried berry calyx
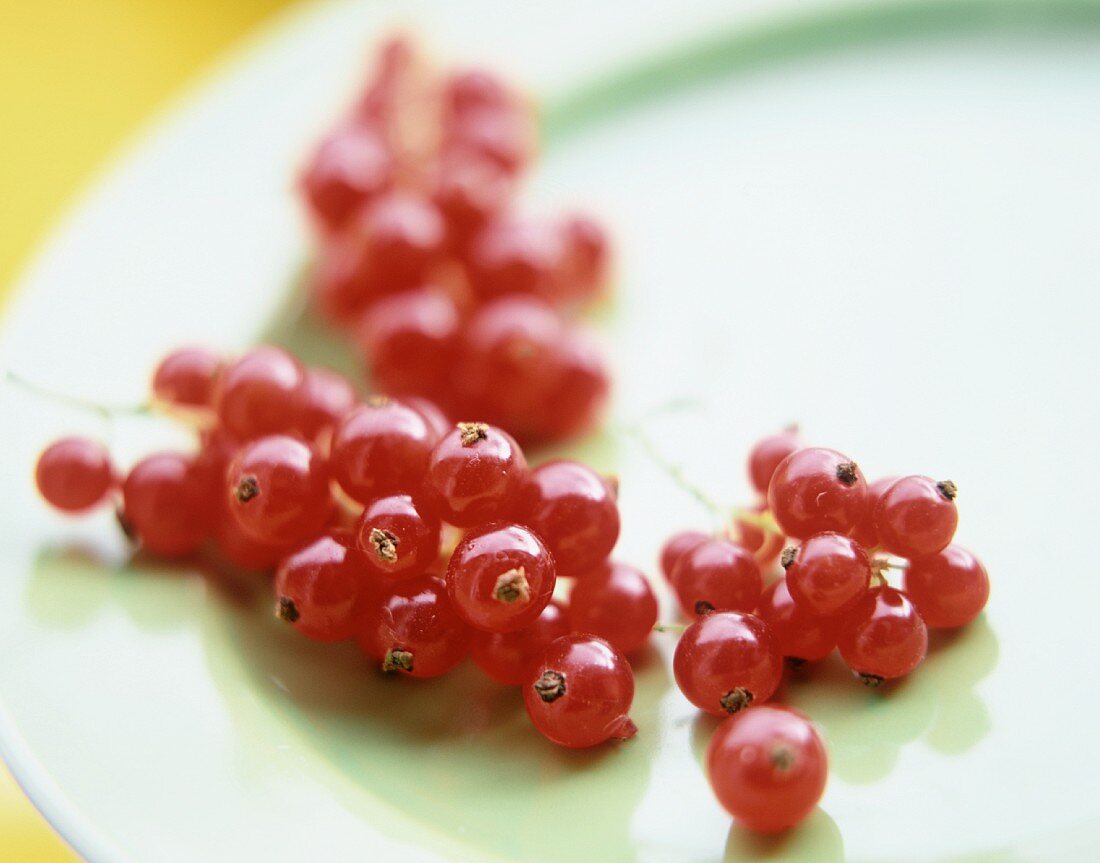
(550,686)
(781,757)
(703,607)
(285,609)
(736,699)
(471,433)
(397,659)
(871,680)
(512,586)
(247,489)
(788,556)
(384,544)
(847,472)
(948,489)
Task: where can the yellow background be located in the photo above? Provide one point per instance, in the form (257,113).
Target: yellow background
(76,77)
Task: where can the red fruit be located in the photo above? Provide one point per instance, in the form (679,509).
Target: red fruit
(883,637)
(500,578)
(579,693)
(865,533)
(726,661)
(325,398)
(414,630)
(512,256)
(573,510)
(351,167)
(798,634)
(507,657)
(916,516)
(765,545)
(277,490)
(766,455)
(404,236)
(828,574)
(258,393)
(584,264)
(469,192)
(676,546)
(475,473)
(815,490)
(316,590)
(186,377)
(949,588)
(165,504)
(616,603)
(342,283)
(240,549)
(576,387)
(767,767)
(504,137)
(435,418)
(74,474)
(398,535)
(470,91)
(381,448)
(717,575)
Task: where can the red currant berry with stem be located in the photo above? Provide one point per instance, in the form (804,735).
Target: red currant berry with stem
(325,398)
(514,256)
(676,546)
(579,693)
(277,489)
(798,634)
(883,637)
(726,661)
(616,603)
(949,588)
(827,574)
(258,393)
(916,516)
(351,167)
(500,577)
(815,490)
(507,657)
(573,510)
(767,767)
(165,503)
(381,448)
(404,236)
(865,533)
(186,378)
(576,388)
(74,474)
(766,545)
(398,535)
(317,588)
(767,453)
(717,575)
(414,629)
(475,473)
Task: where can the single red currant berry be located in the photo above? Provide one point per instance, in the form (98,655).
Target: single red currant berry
(765,545)
(414,630)
(326,397)
(475,473)
(258,393)
(573,510)
(814,490)
(398,535)
(726,661)
(277,490)
(575,387)
(916,516)
(767,767)
(579,693)
(717,575)
(404,236)
(507,657)
(74,474)
(585,258)
(350,168)
(512,256)
(798,634)
(865,533)
(949,588)
(500,577)
(883,637)
(827,574)
(470,91)
(616,603)
(766,455)
(186,378)
(317,588)
(240,549)
(165,504)
(676,546)
(504,137)
(470,191)
(433,415)
(381,448)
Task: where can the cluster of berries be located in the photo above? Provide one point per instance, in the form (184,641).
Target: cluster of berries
(448,292)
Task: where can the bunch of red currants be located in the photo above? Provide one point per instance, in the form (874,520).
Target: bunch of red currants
(448,292)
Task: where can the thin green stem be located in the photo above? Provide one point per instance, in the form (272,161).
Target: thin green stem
(105,411)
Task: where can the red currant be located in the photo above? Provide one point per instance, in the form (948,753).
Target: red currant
(404,236)
(507,657)
(258,393)
(350,168)
(827,574)
(617,603)
(676,546)
(325,398)
(815,490)
(576,386)
(165,503)
(765,545)
(949,588)
(316,590)
(469,192)
(916,516)
(798,634)
(74,474)
(186,377)
(504,137)
(469,91)
(883,637)
(381,448)
(585,255)
(475,473)
(717,575)
(766,455)
(512,256)
(865,533)
(398,535)
(240,549)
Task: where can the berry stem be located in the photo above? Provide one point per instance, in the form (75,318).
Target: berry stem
(105,411)
(763,521)
(670,627)
(675,472)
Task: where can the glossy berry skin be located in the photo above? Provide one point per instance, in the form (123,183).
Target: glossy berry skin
(513,256)
(726,661)
(277,490)
(239,548)
(916,516)
(414,630)
(186,377)
(398,535)
(883,637)
(766,546)
(433,415)
(381,448)
(676,546)
(576,386)
(165,504)
(350,168)
(500,577)
(766,455)
(403,236)
(798,634)
(829,574)
(585,259)
(507,657)
(257,394)
(574,511)
(717,574)
(579,693)
(865,533)
(616,603)
(815,490)
(474,474)
(949,588)
(325,398)
(74,474)
(317,588)
(469,191)
(767,767)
